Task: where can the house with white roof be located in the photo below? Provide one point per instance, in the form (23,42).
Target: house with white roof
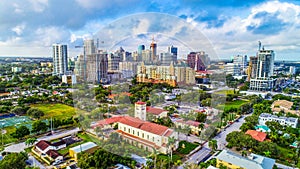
(253,161)
(285,121)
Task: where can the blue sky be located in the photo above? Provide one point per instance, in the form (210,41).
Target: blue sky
(30,27)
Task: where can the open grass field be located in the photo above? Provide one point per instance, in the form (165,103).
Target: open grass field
(235,104)
(59,111)
(224,92)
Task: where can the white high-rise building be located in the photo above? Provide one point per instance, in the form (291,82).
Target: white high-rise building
(265,63)
(60,59)
(89,47)
(263,80)
(240,65)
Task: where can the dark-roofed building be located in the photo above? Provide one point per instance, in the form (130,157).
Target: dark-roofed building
(54,155)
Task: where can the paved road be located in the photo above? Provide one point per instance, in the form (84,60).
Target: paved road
(221,137)
(21,146)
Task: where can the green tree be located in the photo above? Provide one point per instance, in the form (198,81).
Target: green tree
(35,113)
(14,161)
(18,110)
(213,144)
(39,126)
(201,117)
(21,132)
(30,141)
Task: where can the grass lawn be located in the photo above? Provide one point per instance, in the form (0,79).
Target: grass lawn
(188,147)
(7,138)
(224,92)
(175,157)
(234,104)
(60,111)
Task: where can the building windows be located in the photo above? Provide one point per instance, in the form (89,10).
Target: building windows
(143,135)
(147,137)
(138,133)
(125,129)
(153,139)
(133,132)
(128,130)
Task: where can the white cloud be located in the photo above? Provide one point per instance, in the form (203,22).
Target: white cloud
(19,29)
(38,5)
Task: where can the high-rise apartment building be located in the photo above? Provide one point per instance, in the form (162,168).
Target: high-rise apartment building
(92,66)
(89,47)
(197,60)
(153,49)
(263,80)
(167,58)
(265,63)
(240,65)
(60,59)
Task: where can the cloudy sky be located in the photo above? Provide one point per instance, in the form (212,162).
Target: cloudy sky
(231,27)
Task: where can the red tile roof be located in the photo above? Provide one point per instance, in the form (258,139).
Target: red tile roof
(192,123)
(43,144)
(137,123)
(257,135)
(155,111)
(111,96)
(140,102)
(103,122)
(53,154)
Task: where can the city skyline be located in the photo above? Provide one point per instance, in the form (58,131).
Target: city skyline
(233,28)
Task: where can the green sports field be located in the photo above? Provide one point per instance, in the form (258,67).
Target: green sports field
(59,111)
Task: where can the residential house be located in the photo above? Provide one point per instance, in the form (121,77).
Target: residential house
(235,161)
(257,135)
(48,151)
(285,121)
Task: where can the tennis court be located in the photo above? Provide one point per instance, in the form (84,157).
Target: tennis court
(14,121)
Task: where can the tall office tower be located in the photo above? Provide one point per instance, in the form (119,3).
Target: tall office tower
(191,60)
(167,58)
(140,49)
(153,49)
(146,56)
(60,59)
(240,64)
(252,67)
(96,68)
(195,61)
(173,50)
(263,80)
(265,63)
(200,66)
(89,47)
(204,57)
(113,62)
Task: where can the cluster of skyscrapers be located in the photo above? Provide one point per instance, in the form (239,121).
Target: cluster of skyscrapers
(98,66)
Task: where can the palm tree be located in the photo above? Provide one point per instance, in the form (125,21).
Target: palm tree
(191,166)
(213,144)
(170,144)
